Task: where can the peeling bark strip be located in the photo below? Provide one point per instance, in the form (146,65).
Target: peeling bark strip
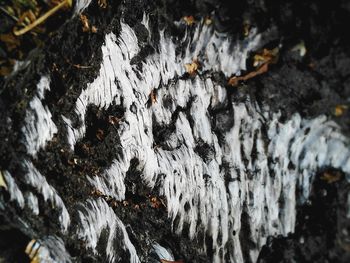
(156,159)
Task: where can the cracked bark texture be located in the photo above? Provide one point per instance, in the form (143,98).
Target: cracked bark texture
(132,159)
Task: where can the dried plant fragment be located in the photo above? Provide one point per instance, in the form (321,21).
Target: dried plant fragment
(208,21)
(85,21)
(96,192)
(2,181)
(267,56)
(189,20)
(331,177)
(261,61)
(73,161)
(100,134)
(113,120)
(27,17)
(340,110)
(235,80)
(63,4)
(191,68)
(102,3)
(6,70)
(246,29)
(10,40)
(86,25)
(152,98)
(94,29)
(157,202)
(300,48)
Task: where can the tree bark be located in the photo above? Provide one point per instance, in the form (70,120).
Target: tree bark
(129,143)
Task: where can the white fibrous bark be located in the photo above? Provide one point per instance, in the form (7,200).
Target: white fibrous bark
(96,217)
(80,6)
(35,179)
(163,253)
(257,162)
(32,203)
(15,192)
(199,190)
(39,127)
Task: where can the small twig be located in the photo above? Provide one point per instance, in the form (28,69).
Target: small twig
(80,66)
(42,18)
(8,13)
(77,65)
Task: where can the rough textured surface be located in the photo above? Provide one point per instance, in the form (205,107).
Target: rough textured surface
(129,158)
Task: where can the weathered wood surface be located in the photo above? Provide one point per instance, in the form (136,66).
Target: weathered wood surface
(129,145)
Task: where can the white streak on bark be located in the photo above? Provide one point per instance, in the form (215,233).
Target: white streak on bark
(39,127)
(13,189)
(32,203)
(35,179)
(163,253)
(96,216)
(80,6)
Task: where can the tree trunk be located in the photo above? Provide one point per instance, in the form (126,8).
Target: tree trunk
(190,131)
